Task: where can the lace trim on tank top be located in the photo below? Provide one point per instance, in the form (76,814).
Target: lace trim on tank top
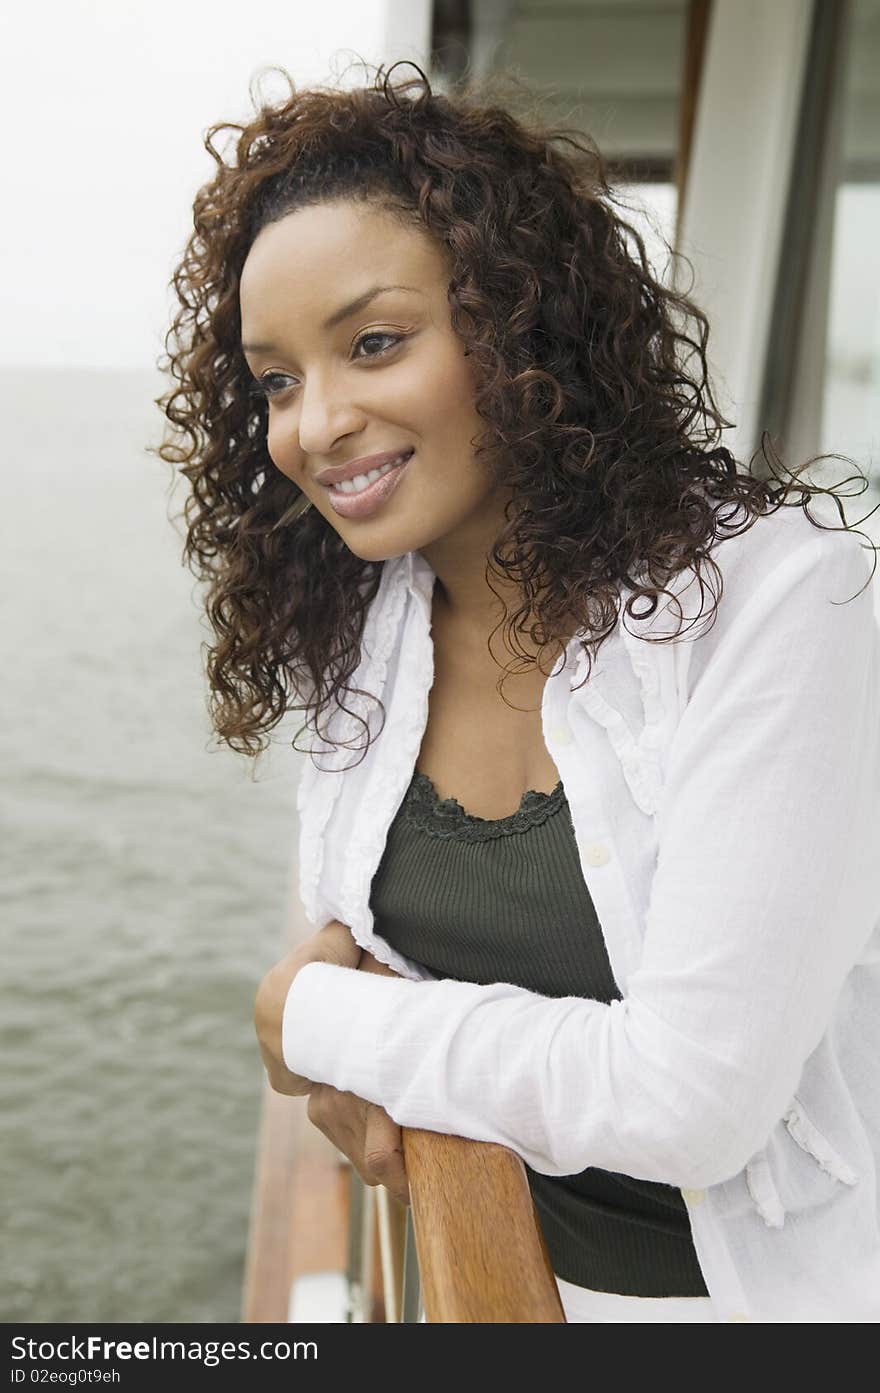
(445,817)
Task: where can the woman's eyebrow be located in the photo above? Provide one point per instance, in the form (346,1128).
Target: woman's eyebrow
(339,315)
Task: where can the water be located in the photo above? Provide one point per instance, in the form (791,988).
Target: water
(146,885)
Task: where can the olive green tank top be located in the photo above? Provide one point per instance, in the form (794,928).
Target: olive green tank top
(504,900)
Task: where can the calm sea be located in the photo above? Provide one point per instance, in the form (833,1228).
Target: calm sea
(146,885)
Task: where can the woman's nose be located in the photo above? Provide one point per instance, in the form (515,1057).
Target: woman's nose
(326,415)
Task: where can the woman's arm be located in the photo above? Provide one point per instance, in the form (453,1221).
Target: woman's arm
(363,1131)
(766,889)
(333,944)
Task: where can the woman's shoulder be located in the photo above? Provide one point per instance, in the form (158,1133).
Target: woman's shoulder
(747,556)
(770,538)
(780,575)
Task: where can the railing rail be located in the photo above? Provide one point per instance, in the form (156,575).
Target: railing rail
(468,1250)
(481,1253)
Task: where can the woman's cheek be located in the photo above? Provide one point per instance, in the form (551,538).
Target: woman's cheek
(284,459)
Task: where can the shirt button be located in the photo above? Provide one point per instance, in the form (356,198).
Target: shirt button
(693,1196)
(561,735)
(597,854)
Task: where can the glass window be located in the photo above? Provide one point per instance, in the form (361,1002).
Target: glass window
(851,396)
(613,71)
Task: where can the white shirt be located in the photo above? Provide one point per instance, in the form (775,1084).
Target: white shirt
(725,796)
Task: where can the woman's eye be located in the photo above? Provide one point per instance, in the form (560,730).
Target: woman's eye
(272,383)
(375,334)
(266,386)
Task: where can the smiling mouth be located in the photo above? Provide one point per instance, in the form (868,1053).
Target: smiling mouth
(361,482)
(360,500)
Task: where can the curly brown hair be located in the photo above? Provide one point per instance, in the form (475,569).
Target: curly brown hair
(592,380)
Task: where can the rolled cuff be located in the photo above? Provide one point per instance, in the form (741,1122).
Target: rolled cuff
(332,1023)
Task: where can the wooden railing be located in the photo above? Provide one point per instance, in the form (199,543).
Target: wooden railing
(325,1246)
(480,1250)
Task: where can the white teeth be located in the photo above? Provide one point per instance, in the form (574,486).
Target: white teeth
(362,481)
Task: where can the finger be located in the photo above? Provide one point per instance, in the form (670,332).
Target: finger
(364,1133)
(383,1153)
(281,1080)
(341,1118)
(339,944)
(291,1085)
(370,964)
(324,1110)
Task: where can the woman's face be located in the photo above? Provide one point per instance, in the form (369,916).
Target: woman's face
(388,377)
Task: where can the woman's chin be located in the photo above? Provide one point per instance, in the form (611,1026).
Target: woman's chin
(375,547)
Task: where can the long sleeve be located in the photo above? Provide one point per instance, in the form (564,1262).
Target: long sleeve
(765,892)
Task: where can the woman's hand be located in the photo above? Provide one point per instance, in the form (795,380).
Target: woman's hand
(332,944)
(362,1131)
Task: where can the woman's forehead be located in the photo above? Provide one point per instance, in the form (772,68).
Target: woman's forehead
(322,260)
(351,234)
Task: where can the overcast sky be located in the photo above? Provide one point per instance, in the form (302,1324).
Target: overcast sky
(104,106)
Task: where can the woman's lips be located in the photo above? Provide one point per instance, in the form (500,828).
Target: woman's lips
(371,499)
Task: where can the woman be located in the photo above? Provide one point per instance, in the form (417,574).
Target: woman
(617,910)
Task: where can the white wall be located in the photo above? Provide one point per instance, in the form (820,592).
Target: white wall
(104,106)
